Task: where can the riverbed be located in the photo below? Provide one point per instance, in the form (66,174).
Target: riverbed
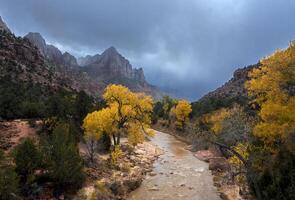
(177,174)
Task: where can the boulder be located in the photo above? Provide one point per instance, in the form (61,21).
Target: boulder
(218,164)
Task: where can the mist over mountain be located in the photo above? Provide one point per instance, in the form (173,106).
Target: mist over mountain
(63,71)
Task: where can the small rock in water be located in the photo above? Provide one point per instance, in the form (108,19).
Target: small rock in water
(154,189)
(199,170)
(152,173)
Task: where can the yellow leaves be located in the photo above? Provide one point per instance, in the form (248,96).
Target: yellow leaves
(116,94)
(98,122)
(242,149)
(126,112)
(135,134)
(216,118)
(278,120)
(182,111)
(273,86)
(116,154)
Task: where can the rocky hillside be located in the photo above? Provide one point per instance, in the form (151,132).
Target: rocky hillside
(234,88)
(21,61)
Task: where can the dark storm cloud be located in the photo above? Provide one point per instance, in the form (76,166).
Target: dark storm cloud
(185,46)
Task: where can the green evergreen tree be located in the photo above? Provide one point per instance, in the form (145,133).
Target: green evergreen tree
(27,160)
(62,156)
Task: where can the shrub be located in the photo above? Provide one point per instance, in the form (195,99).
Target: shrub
(27,160)
(64,162)
(8,179)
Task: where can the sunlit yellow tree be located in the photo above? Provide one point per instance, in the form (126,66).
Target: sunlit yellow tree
(126,113)
(273,87)
(182,111)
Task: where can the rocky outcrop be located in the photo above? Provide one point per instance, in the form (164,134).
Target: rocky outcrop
(52,53)
(69,60)
(112,67)
(38,41)
(3,26)
(87,60)
(235,87)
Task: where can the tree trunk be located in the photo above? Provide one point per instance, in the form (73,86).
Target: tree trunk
(91,150)
(114,140)
(118,138)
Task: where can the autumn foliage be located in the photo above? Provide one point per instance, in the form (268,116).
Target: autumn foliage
(273,86)
(182,111)
(126,113)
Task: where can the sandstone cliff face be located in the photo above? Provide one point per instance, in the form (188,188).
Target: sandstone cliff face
(69,60)
(112,67)
(235,87)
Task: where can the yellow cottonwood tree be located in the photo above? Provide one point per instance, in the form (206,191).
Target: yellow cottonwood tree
(182,111)
(215,119)
(273,87)
(126,112)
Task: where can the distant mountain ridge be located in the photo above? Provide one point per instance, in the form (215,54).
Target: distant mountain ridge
(109,67)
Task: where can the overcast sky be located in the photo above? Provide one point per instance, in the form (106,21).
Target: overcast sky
(188,47)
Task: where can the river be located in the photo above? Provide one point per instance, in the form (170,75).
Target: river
(177,175)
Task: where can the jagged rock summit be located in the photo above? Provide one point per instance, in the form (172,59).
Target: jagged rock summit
(50,52)
(111,65)
(3,26)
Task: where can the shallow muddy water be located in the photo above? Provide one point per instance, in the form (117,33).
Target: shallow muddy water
(177,175)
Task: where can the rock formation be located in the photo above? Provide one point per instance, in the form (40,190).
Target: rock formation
(235,87)
(50,52)
(3,26)
(87,60)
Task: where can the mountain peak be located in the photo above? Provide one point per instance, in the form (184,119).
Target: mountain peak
(111,50)
(37,39)
(3,26)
